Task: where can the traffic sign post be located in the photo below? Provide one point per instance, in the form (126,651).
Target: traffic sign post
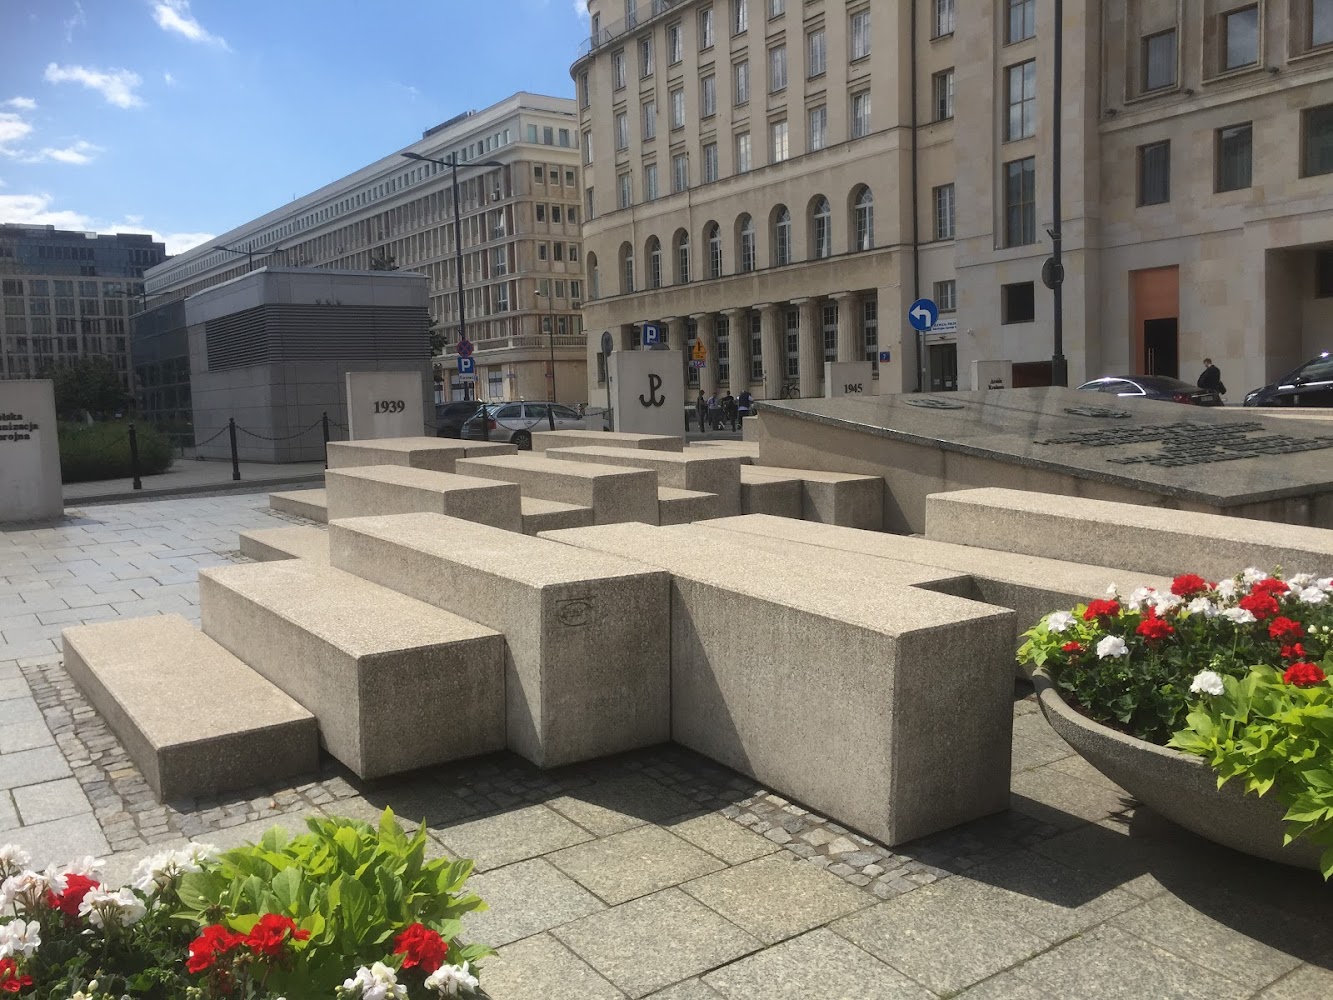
(467,366)
(652,335)
(923,314)
(700,353)
(465,348)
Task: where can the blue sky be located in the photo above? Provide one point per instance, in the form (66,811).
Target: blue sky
(185,118)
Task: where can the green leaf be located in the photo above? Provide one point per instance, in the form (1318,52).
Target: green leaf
(287,886)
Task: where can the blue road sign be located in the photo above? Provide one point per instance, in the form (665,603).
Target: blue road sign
(696,364)
(467,366)
(465,348)
(652,335)
(923,314)
(884,357)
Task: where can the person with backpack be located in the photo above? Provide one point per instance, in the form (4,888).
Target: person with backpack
(1212,378)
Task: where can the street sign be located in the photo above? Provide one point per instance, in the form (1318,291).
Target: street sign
(608,343)
(652,335)
(945,326)
(884,357)
(467,365)
(700,353)
(923,314)
(465,348)
(467,378)
(696,364)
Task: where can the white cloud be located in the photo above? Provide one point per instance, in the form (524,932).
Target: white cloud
(75,20)
(168,79)
(79,153)
(581,9)
(37,210)
(22,103)
(174,15)
(12,129)
(116,85)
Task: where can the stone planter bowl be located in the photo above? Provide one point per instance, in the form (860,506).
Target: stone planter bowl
(1179,786)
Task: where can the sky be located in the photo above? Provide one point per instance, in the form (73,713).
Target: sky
(186,118)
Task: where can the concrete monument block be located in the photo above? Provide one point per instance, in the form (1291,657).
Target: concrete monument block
(849,378)
(394,683)
(747,452)
(614,493)
(30,488)
(686,506)
(397,489)
(649,391)
(313,505)
(1133,537)
(386,404)
(844,498)
(542,440)
(586,634)
(547,515)
(761,494)
(890,712)
(194,719)
(435,454)
(302,541)
(719,474)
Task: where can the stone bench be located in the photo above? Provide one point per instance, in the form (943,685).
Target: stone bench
(435,454)
(748,453)
(395,489)
(712,473)
(853,501)
(586,634)
(614,493)
(542,440)
(313,505)
(195,720)
(1130,536)
(394,683)
(830,678)
(547,515)
(299,542)
(765,494)
(686,506)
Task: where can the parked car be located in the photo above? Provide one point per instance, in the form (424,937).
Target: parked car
(1172,390)
(450,417)
(515,422)
(1309,385)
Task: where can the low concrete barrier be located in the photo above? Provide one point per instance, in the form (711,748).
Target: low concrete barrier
(686,506)
(313,505)
(614,493)
(708,472)
(542,440)
(547,515)
(435,454)
(763,494)
(394,489)
(853,501)
(298,542)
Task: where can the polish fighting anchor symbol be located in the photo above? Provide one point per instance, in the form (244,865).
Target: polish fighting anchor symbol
(654,383)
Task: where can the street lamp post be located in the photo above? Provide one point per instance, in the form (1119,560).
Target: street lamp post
(452,164)
(1054,273)
(550,299)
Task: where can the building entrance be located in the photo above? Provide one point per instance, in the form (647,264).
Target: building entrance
(1161,347)
(943,359)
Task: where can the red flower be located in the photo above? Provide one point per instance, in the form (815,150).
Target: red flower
(422,947)
(1295,651)
(1269,586)
(212,943)
(1101,609)
(10,980)
(1153,627)
(1285,628)
(1261,605)
(1303,675)
(1072,648)
(1188,585)
(268,936)
(76,887)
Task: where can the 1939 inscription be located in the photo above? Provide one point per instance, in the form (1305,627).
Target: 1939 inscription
(390,406)
(14,428)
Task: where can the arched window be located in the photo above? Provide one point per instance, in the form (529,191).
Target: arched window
(594,278)
(713,236)
(781,236)
(746,243)
(863,220)
(626,269)
(821,229)
(654,262)
(682,243)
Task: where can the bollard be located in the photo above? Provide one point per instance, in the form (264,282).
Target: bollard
(235,462)
(134,457)
(325,421)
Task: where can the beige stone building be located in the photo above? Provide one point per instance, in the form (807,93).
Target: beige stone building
(520,184)
(781,179)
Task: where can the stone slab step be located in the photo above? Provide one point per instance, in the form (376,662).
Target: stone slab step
(762,494)
(394,683)
(703,472)
(614,493)
(587,645)
(395,489)
(195,720)
(844,498)
(313,505)
(302,541)
(686,506)
(547,515)
(436,454)
(748,453)
(542,440)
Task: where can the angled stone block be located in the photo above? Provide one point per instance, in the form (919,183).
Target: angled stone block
(686,506)
(747,452)
(761,494)
(396,489)
(547,515)
(313,505)
(844,498)
(435,454)
(614,493)
(542,440)
(298,542)
(703,473)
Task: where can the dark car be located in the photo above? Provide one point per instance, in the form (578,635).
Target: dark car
(450,418)
(1309,385)
(1171,390)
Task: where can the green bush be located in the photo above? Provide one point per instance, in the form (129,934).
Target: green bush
(102,451)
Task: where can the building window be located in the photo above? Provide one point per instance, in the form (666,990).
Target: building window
(706,28)
(816,54)
(863,213)
(590,204)
(708,95)
(543,251)
(1155,173)
(682,258)
(793,343)
(777,69)
(655,263)
(1159,61)
(710,162)
(714,236)
(861,34)
(541,213)
(1235,157)
(650,182)
(740,16)
(829,329)
(626,190)
(1022,21)
(585,98)
(743,159)
(722,337)
(678,108)
(941,88)
(946,295)
(1018,303)
(691,338)
(861,115)
(782,237)
(1323,274)
(618,76)
(776,8)
(756,347)
(555,217)
(627,268)
(1020,202)
(622,130)
(675,43)
(587,147)
(680,172)
(778,148)
(747,247)
(1321,23)
(1021,96)
(943,21)
(944,212)
(649,120)
(741,79)
(821,230)
(870,331)
(1240,30)
(818,128)
(1317,141)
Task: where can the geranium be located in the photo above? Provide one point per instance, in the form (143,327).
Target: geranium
(1207,682)
(212,943)
(1154,628)
(1260,604)
(452,980)
(13,859)
(1101,609)
(1239,616)
(421,947)
(27,890)
(1072,648)
(1226,589)
(155,873)
(1303,675)
(1139,597)
(1313,595)
(19,939)
(86,865)
(1252,575)
(375,983)
(112,909)
(1189,585)
(1059,621)
(1284,628)
(1271,586)
(1112,645)
(1296,651)
(76,887)
(10,980)
(1202,606)
(269,935)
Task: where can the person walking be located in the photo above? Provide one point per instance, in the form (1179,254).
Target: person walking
(714,413)
(745,403)
(729,409)
(701,410)
(1212,378)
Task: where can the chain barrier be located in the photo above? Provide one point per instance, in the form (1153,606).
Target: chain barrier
(222,430)
(287,437)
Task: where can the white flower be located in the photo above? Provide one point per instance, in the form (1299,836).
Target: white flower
(1251,576)
(1226,589)
(452,980)
(1164,602)
(1312,595)
(1207,682)
(1112,645)
(1239,616)
(1325,584)
(122,907)
(375,983)
(27,889)
(55,880)
(1112,592)
(1202,606)
(158,870)
(19,939)
(1059,621)
(1299,581)
(13,857)
(87,866)
(1138,597)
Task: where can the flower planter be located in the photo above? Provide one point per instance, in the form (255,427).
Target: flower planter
(1179,786)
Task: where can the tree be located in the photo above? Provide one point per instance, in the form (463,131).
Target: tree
(89,383)
(383,262)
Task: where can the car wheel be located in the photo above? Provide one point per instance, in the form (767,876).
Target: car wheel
(522,440)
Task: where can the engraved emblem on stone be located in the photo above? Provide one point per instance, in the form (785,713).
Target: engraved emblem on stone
(575,613)
(1098,411)
(934,403)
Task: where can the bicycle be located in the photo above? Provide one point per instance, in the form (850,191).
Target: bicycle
(792,390)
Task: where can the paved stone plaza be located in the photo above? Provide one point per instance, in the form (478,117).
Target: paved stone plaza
(659,873)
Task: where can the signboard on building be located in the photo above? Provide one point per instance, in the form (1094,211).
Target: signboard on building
(29,452)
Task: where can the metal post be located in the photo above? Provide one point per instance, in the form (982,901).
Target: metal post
(325,421)
(462,305)
(235,461)
(550,410)
(1059,364)
(134,457)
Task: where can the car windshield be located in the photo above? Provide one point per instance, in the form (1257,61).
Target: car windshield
(1318,370)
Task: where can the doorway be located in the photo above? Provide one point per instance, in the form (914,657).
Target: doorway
(1161,347)
(1155,321)
(943,360)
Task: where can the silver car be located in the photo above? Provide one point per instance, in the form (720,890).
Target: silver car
(514,423)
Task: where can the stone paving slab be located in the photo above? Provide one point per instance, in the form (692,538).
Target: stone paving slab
(525,899)
(634,863)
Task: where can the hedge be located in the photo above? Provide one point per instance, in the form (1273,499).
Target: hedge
(102,451)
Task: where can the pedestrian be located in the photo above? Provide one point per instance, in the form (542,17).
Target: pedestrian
(714,413)
(729,409)
(745,404)
(1212,378)
(701,410)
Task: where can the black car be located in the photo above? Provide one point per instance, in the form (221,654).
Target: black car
(450,418)
(1171,390)
(1309,385)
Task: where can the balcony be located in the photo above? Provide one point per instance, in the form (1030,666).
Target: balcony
(644,13)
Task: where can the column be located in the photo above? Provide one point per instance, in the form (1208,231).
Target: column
(707,337)
(675,329)
(811,350)
(737,323)
(851,335)
(775,350)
